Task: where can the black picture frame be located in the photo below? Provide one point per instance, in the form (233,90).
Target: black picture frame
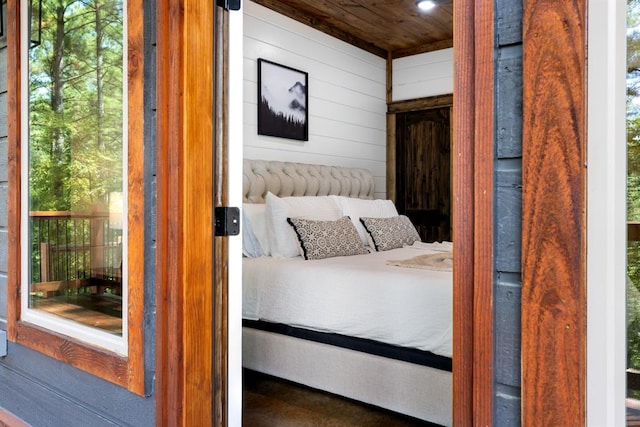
(283,101)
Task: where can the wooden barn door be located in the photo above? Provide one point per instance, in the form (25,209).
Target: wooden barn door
(423,172)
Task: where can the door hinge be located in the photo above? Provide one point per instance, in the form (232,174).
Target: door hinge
(229,4)
(227,221)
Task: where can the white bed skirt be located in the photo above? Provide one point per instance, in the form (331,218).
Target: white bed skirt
(415,390)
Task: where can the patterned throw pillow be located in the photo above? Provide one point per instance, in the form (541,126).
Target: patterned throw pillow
(390,233)
(325,239)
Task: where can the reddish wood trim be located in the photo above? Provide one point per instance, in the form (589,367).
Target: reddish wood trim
(420,103)
(554,220)
(483,211)
(7,419)
(125,371)
(427,47)
(473,213)
(463,224)
(185,45)
(135,196)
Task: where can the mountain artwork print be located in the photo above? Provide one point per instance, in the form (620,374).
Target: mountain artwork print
(282,101)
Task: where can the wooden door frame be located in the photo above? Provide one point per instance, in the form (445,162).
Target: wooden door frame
(185,188)
(472,162)
(185,367)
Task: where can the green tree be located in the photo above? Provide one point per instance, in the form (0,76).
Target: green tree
(76,105)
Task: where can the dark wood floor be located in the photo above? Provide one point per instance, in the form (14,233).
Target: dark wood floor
(270,402)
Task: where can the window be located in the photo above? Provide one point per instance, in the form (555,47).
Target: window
(77,153)
(75,146)
(633,210)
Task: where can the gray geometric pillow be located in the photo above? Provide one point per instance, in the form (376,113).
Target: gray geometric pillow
(325,239)
(390,233)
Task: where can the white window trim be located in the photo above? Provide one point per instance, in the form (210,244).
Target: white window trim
(606,213)
(92,336)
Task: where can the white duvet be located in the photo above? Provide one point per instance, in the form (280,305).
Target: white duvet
(358,296)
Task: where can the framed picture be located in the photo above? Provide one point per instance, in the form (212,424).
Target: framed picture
(282,101)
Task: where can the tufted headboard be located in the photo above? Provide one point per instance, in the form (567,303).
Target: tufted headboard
(300,179)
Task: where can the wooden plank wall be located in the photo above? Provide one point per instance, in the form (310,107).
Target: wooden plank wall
(508,208)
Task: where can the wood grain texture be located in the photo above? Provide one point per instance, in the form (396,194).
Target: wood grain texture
(185,212)
(125,371)
(135,197)
(391,157)
(392,27)
(473,213)
(483,335)
(463,212)
(554,223)
(420,104)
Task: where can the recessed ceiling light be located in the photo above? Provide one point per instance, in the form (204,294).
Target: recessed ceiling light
(426,4)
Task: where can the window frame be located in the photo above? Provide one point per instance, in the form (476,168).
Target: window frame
(606,214)
(125,370)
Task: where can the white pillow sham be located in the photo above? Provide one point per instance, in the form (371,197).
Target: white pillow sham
(356,208)
(255,240)
(283,242)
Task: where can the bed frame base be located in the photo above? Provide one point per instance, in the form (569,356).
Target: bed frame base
(419,391)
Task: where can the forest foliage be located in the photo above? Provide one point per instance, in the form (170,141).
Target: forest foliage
(75,104)
(633,181)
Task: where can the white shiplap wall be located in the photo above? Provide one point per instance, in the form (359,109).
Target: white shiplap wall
(427,74)
(347,95)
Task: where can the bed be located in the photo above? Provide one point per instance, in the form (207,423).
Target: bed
(370,317)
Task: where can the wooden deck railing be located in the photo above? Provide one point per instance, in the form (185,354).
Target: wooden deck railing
(74,246)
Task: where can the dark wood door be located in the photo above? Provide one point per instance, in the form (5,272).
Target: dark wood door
(423,171)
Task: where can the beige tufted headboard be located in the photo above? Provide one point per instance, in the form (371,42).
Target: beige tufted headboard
(300,179)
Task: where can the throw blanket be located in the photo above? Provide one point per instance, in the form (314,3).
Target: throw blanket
(441,261)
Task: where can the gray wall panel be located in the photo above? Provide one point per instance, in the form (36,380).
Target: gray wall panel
(507,407)
(507,335)
(3,299)
(150,195)
(508,22)
(509,102)
(3,158)
(508,213)
(3,250)
(3,114)
(3,205)
(3,66)
(45,392)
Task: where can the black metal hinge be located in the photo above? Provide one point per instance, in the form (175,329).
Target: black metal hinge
(227,221)
(229,4)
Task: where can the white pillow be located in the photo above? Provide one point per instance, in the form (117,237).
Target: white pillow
(356,208)
(283,242)
(255,240)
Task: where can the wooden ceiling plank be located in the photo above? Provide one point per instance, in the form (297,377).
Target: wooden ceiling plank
(320,24)
(377,27)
